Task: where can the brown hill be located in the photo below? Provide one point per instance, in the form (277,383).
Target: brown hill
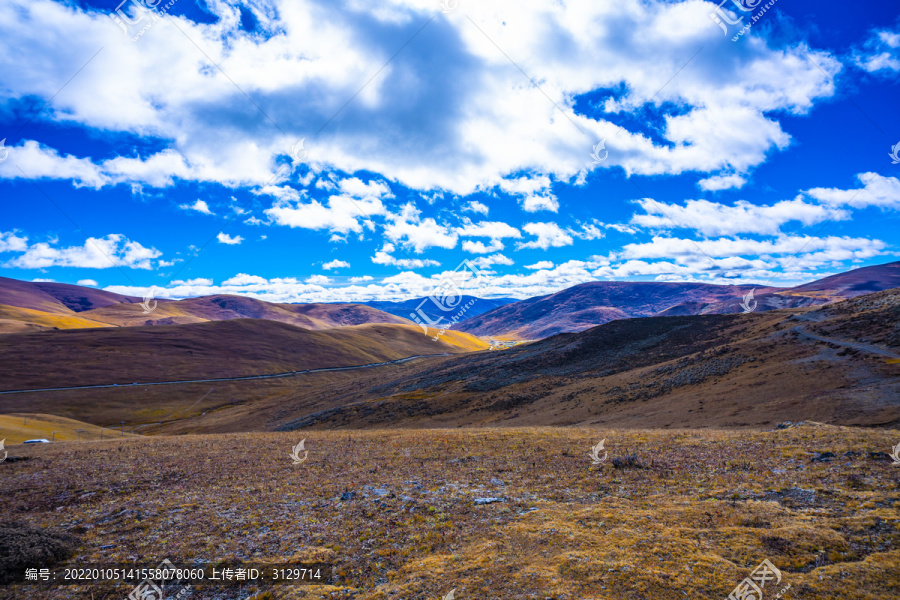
(57,298)
(225,307)
(29,306)
(590,304)
(837,364)
(232,348)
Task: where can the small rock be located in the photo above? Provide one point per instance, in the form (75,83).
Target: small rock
(346,496)
(880,456)
(785,425)
(489,500)
(496,481)
(825,457)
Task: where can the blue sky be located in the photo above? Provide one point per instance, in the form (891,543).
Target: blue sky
(160,147)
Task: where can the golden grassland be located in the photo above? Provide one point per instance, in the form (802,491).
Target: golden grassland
(15,320)
(689,516)
(18,427)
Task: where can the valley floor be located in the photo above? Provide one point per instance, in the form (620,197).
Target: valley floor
(689,515)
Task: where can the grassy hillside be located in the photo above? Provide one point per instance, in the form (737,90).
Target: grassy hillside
(16,428)
(669,515)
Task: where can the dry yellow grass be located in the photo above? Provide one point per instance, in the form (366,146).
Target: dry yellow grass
(18,427)
(14,319)
(695,514)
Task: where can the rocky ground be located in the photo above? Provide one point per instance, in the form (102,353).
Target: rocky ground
(489,513)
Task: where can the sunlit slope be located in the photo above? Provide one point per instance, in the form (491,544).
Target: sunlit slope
(15,320)
(16,428)
(216,349)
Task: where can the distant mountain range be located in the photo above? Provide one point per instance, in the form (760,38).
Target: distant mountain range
(36,306)
(410,309)
(590,304)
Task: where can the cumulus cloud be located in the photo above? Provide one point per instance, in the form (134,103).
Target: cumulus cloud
(492,130)
(547,234)
(384,257)
(713,218)
(88,282)
(340,214)
(475,207)
(336,264)
(880,53)
(199,206)
(411,230)
(722,182)
(114,250)
(224,238)
(541,264)
(876,190)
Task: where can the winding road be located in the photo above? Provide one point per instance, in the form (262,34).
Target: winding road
(243,378)
(855,345)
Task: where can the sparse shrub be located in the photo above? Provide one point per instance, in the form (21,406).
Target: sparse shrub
(627,462)
(26,546)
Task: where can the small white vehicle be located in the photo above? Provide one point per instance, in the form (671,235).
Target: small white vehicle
(40,441)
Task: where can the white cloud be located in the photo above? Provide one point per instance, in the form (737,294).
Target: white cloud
(877,190)
(722,182)
(384,257)
(88,282)
(475,207)
(342,214)
(494,259)
(10,242)
(481,248)
(415,232)
(115,250)
(336,264)
(199,206)
(355,187)
(548,234)
(492,130)
(317,279)
(491,229)
(224,238)
(361,279)
(541,264)
(880,53)
(713,218)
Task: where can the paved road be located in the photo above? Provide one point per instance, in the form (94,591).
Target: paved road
(854,345)
(244,378)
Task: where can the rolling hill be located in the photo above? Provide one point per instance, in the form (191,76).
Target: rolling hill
(224,307)
(590,304)
(405,307)
(837,364)
(230,348)
(36,306)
